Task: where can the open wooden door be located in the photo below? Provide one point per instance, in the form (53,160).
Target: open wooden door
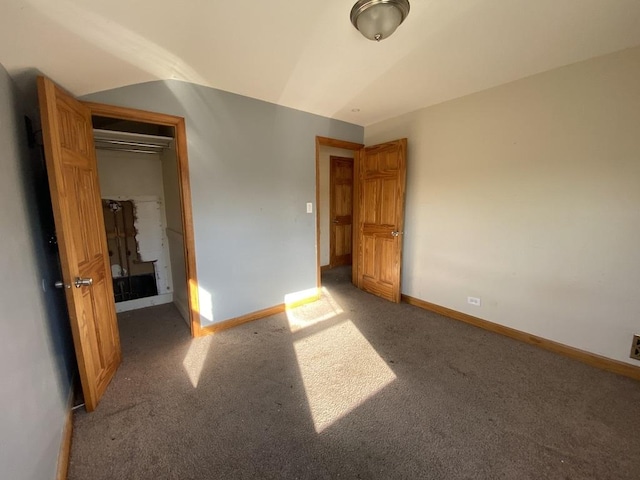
(380,186)
(75,195)
(341,210)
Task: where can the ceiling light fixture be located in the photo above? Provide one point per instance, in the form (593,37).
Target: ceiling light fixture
(378,19)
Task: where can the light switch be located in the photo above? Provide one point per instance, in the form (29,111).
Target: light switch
(309,207)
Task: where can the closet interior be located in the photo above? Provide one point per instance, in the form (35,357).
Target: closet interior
(141,204)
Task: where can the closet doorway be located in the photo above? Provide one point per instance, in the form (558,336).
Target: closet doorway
(142,208)
(67,133)
(146,200)
(334,228)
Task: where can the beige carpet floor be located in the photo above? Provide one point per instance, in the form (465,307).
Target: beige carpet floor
(352,387)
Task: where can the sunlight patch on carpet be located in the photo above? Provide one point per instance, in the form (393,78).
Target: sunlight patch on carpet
(196,356)
(323,309)
(341,371)
(296,299)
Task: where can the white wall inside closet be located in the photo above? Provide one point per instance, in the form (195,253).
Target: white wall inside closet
(138,177)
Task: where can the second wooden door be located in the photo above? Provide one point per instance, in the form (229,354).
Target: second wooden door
(86,275)
(381,176)
(341,208)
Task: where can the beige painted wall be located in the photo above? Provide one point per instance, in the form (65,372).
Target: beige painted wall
(325,199)
(528,196)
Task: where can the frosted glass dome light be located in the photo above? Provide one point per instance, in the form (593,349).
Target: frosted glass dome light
(378,19)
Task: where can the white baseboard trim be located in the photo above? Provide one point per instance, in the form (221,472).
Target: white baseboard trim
(144,302)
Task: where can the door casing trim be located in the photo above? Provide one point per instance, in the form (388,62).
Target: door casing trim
(178,123)
(330,142)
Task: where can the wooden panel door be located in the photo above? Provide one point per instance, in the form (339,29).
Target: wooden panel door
(341,210)
(77,208)
(381,172)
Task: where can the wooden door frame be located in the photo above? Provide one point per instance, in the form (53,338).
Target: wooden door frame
(345,145)
(178,123)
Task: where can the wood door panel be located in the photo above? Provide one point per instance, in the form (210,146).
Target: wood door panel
(105,333)
(83,194)
(369,260)
(88,324)
(344,171)
(371,164)
(370,202)
(77,208)
(388,202)
(74,133)
(386,248)
(338,239)
(380,275)
(347,236)
(343,241)
(341,211)
(380,213)
(72,194)
(344,200)
(389,161)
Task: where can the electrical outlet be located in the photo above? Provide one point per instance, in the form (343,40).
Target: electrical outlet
(635,348)
(474,301)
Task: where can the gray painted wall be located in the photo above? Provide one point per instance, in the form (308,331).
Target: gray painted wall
(252,169)
(36,357)
(175,235)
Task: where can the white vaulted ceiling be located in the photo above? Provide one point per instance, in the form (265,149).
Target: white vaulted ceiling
(306,54)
